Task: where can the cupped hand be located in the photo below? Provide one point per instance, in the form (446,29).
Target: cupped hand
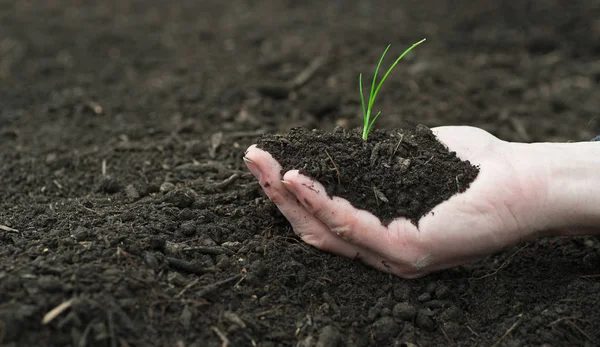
(497,211)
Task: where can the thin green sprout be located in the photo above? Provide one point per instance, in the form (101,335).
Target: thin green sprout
(367,121)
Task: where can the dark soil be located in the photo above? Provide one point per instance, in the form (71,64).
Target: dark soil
(395,173)
(128,218)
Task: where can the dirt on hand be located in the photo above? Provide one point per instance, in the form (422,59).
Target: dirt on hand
(394,173)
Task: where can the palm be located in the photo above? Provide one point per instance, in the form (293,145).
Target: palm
(480,221)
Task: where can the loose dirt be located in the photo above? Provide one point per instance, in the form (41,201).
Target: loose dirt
(400,173)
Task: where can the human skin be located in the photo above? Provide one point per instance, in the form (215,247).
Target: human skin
(523,192)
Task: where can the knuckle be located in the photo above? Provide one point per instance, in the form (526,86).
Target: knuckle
(314,240)
(344,231)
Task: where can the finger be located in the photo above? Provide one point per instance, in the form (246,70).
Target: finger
(356,226)
(307,226)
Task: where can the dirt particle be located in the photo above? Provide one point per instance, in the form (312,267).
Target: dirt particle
(166,187)
(424,297)
(385,328)
(110,186)
(329,337)
(81,234)
(132,192)
(442,292)
(404,311)
(188,228)
(179,199)
(424,320)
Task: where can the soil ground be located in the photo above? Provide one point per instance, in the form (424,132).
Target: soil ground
(128,217)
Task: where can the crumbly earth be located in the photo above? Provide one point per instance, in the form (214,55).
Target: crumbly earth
(394,173)
(127,216)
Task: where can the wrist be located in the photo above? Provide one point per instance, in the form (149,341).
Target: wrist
(566,177)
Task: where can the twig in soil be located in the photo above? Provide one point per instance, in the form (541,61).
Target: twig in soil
(503,265)
(188,286)
(306,74)
(55,312)
(84,336)
(374,154)
(103,167)
(471,330)
(215,286)
(398,145)
(186,266)
(589,276)
(57,184)
(235,319)
(335,167)
(428,160)
(509,330)
(445,335)
(7,228)
(578,329)
(573,325)
(379,196)
(224,339)
(227,182)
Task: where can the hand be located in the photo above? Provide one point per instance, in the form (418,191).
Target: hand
(497,211)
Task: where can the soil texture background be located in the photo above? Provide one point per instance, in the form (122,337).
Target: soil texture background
(127,216)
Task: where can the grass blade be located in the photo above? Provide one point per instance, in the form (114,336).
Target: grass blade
(373,93)
(366,109)
(394,65)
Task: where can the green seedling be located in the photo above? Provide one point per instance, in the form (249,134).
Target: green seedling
(367,121)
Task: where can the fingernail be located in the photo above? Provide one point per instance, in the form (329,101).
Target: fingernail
(253,168)
(289,186)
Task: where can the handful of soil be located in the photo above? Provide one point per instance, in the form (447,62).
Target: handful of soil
(396,173)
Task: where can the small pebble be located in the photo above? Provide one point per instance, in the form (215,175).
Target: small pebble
(424,320)
(452,313)
(423,130)
(110,186)
(166,187)
(132,192)
(179,199)
(188,228)
(424,297)
(81,234)
(258,268)
(404,311)
(442,292)
(436,304)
